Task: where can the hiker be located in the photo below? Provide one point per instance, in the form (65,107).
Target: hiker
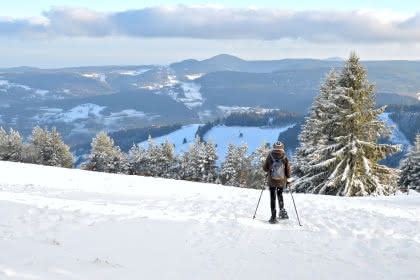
(277,166)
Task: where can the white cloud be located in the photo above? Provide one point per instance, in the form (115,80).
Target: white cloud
(212,22)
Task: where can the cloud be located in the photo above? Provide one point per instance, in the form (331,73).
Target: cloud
(210,22)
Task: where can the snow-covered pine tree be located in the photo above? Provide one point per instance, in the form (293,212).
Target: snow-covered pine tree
(202,162)
(190,162)
(104,156)
(410,167)
(244,165)
(235,168)
(316,126)
(345,159)
(258,178)
(61,155)
(151,158)
(11,146)
(166,162)
(3,144)
(47,148)
(136,160)
(229,173)
(211,162)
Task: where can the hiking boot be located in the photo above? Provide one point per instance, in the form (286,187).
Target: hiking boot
(273,219)
(283,214)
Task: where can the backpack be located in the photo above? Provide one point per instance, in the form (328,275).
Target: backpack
(278,172)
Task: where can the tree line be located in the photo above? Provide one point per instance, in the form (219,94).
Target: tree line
(338,154)
(198,163)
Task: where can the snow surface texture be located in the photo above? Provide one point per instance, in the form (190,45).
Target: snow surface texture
(73,224)
(222,135)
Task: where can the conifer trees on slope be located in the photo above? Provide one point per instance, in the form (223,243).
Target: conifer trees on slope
(339,152)
(11,146)
(410,167)
(44,147)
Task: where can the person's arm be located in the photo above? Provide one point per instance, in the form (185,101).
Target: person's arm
(288,169)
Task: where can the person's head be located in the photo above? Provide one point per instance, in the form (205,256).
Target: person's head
(278,147)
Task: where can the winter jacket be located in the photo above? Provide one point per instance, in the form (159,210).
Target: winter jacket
(269,164)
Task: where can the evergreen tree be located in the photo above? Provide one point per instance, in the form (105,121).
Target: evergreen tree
(236,166)
(49,149)
(202,162)
(190,162)
(317,125)
(152,158)
(258,177)
(410,167)
(211,163)
(11,146)
(104,156)
(229,174)
(345,154)
(136,160)
(166,161)
(244,165)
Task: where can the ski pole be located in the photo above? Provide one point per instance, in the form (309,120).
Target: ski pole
(297,215)
(258,202)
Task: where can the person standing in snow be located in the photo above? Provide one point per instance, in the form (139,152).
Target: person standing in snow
(277,166)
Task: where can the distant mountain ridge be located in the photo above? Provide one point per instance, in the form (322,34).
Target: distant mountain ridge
(80,101)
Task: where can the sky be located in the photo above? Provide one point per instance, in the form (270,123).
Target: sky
(61,33)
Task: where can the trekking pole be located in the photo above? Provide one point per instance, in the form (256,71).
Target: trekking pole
(259,201)
(297,215)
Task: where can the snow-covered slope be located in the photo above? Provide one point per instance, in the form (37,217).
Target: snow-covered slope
(72,224)
(397,136)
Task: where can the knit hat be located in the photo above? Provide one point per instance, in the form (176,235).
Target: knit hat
(278,146)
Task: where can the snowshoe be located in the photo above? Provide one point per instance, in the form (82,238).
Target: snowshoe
(283,214)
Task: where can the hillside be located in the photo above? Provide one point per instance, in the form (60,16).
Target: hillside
(81,101)
(72,224)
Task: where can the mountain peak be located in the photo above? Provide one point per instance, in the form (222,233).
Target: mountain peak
(224,58)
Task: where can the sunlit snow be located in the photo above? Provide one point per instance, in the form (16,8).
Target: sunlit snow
(58,223)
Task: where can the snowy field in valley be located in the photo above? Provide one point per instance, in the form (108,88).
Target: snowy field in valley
(252,136)
(222,136)
(72,224)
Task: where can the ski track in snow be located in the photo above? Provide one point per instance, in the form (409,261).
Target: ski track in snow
(71,224)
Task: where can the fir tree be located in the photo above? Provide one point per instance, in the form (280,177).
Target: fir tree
(211,162)
(244,165)
(190,162)
(136,160)
(229,172)
(236,166)
(166,161)
(258,177)
(345,154)
(317,124)
(104,156)
(410,167)
(49,149)
(11,146)
(202,162)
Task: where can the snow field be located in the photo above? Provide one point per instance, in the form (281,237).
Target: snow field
(72,224)
(222,136)
(252,136)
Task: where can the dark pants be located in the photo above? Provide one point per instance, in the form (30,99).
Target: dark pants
(276,191)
